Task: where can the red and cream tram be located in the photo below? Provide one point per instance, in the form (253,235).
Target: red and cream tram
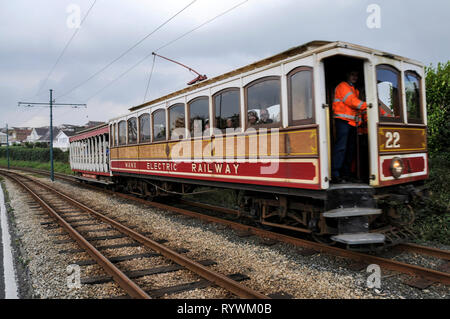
(266,130)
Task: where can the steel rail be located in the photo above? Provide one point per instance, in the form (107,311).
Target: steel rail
(389,264)
(430,274)
(122,280)
(208,274)
(424,250)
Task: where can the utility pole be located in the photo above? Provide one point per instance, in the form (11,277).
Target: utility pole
(7,144)
(52,174)
(51,104)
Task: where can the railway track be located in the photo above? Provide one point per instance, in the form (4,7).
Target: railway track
(69,212)
(432,275)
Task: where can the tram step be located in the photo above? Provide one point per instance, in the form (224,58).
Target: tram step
(359,238)
(351,212)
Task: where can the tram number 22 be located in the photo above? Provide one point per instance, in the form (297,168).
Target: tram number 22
(392,140)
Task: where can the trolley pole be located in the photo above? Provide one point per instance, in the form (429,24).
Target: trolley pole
(7,144)
(51,104)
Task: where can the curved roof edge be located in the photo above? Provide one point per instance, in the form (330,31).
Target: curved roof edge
(275,58)
(309,46)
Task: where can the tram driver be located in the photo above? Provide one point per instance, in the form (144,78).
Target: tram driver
(347,109)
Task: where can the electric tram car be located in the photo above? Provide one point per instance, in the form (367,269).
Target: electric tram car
(267,131)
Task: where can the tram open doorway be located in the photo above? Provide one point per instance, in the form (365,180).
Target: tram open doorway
(336,69)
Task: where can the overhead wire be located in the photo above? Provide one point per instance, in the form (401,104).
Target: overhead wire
(164,46)
(65,49)
(126,51)
(149,78)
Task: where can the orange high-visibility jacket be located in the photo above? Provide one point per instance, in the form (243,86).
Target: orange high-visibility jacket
(346,104)
(362,120)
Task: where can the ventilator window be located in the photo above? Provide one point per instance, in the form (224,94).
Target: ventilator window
(389,98)
(413,97)
(301,96)
(263,99)
(177,122)
(159,125)
(227,109)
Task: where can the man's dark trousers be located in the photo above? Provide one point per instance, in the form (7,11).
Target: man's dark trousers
(344,149)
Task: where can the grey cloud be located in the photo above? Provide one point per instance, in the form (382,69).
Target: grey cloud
(32,34)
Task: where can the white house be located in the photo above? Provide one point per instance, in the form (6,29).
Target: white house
(61,140)
(2,139)
(37,133)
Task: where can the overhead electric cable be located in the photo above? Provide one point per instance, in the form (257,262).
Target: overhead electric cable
(149,78)
(164,46)
(126,51)
(64,50)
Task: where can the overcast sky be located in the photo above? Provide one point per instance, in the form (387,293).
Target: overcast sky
(34,32)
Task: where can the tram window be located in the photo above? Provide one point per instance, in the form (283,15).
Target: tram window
(301,96)
(116,133)
(159,125)
(227,109)
(122,133)
(176,122)
(263,103)
(111,133)
(388,86)
(144,128)
(132,130)
(199,116)
(413,95)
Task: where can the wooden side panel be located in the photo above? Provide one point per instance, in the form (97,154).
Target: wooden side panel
(129,152)
(295,143)
(394,139)
(114,153)
(153,151)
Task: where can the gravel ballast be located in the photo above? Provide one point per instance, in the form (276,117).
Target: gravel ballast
(279,268)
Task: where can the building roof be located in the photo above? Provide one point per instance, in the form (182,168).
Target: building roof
(22,134)
(68,132)
(46,136)
(41,131)
(93,124)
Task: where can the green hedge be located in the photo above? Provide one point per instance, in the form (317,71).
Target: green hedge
(42,155)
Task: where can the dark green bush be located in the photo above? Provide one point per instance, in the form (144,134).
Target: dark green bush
(23,153)
(438,108)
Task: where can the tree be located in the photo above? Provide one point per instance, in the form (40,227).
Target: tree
(438,108)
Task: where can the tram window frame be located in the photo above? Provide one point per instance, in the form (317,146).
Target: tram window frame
(257,81)
(227,90)
(170,126)
(116,134)
(203,97)
(401,117)
(153,135)
(419,78)
(305,121)
(135,141)
(122,139)
(111,133)
(149,139)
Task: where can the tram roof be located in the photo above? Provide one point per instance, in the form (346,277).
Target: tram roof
(316,46)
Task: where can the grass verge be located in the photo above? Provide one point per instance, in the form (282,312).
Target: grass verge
(59,167)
